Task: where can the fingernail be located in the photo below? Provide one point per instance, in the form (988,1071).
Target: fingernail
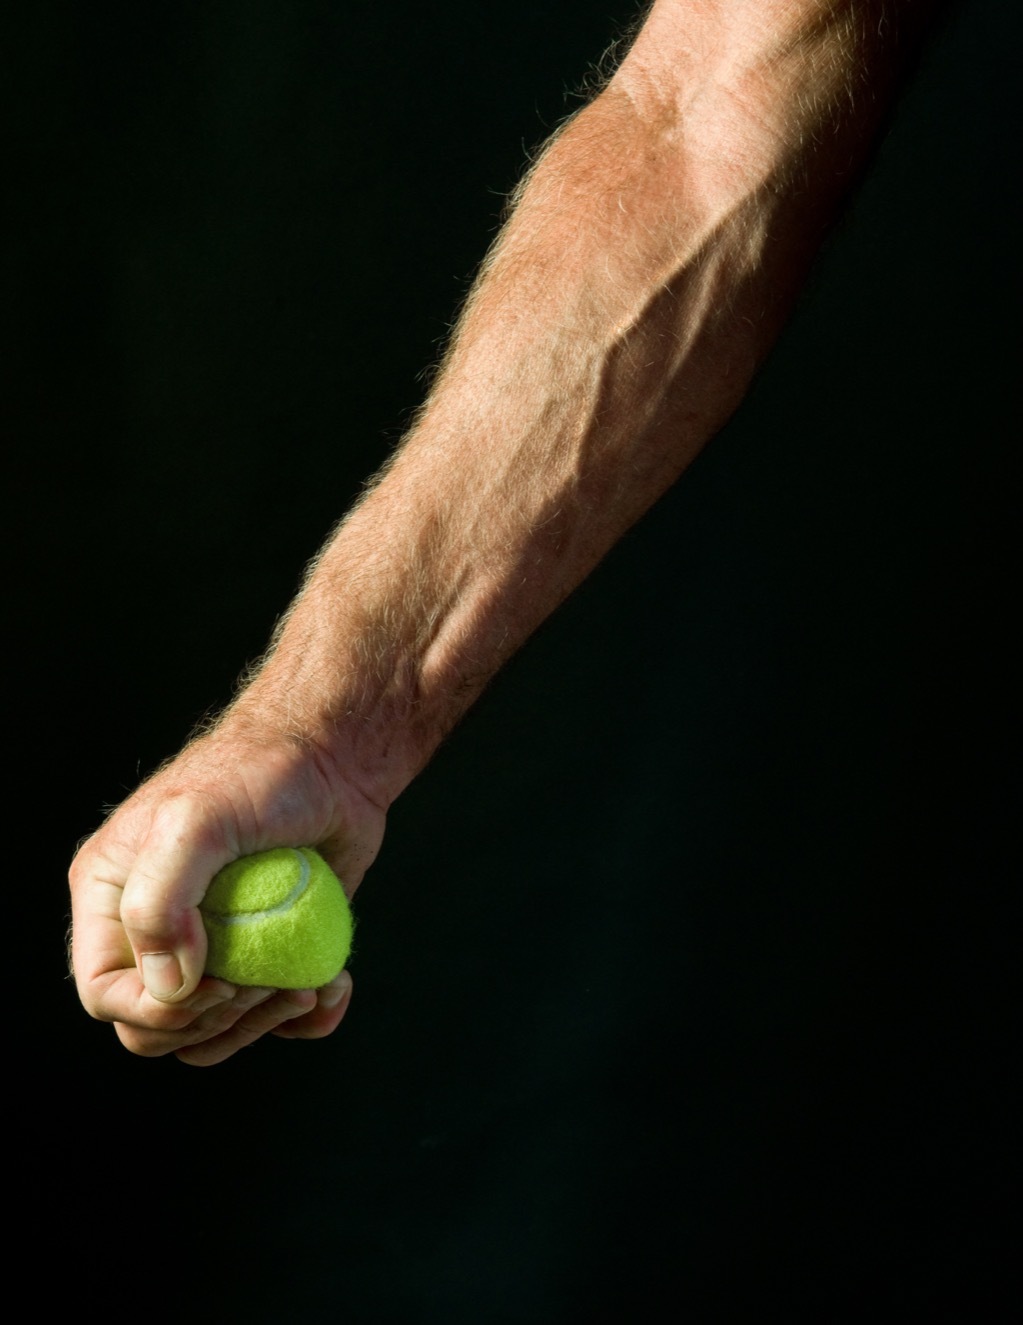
(161,974)
(331,995)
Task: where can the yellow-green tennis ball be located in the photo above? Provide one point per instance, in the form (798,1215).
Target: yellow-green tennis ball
(279,918)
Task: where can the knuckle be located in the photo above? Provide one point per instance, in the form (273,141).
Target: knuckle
(156,1031)
(191,816)
(79,866)
(142,915)
(144,1044)
(242,1036)
(93,1006)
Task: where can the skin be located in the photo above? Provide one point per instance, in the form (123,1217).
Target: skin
(648,263)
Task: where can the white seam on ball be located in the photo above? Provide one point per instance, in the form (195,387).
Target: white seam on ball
(250,917)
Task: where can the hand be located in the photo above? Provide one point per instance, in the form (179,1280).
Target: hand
(139,946)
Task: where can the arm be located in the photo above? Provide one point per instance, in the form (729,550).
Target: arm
(645,270)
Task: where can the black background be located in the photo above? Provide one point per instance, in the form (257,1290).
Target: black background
(682,974)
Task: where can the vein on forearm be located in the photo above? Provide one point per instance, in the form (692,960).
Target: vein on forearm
(645,270)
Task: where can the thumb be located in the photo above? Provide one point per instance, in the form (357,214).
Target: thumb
(159,912)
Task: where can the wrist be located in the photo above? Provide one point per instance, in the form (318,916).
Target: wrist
(360,726)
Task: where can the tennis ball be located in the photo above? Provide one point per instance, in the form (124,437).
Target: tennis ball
(278,918)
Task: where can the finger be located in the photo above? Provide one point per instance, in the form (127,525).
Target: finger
(102,960)
(122,998)
(285,1005)
(100,952)
(165,1036)
(331,1005)
(221,1031)
(159,906)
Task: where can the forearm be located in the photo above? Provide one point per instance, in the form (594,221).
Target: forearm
(643,275)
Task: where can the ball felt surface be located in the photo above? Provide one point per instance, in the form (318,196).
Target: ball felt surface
(278,918)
